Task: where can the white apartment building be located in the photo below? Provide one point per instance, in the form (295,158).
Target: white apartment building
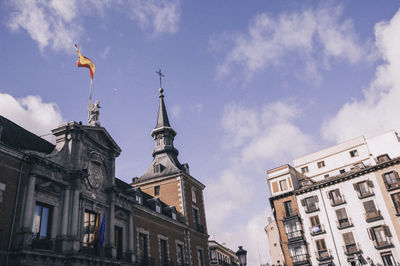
(348,198)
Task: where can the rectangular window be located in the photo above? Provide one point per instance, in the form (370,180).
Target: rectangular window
(343,220)
(388,259)
(364,188)
(41,221)
(391,179)
(156,190)
(200,257)
(342,171)
(326,176)
(139,199)
(289,209)
(143,247)
(118,240)
(321,248)
(304,169)
(292,228)
(194,199)
(158,208)
(310,203)
(353,153)
(164,251)
(283,185)
(335,196)
(179,255)
(315,225)
(396,202)
(2,189)
(196,219)
(321,164)
(349,242)
(371,213)
(89,223)
(383,158)
(380,235)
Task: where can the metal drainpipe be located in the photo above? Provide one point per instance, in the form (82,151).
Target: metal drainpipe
(329,223)
(15,210)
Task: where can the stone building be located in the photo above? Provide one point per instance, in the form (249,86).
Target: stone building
(275,251)
(62,204)
(222,255)
(347,198)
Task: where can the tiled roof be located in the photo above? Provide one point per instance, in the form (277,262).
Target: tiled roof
(17,137)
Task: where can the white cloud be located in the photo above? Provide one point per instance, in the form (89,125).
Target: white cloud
(378,109)
(161,15)
(175,110)
(312,34)
(58,24)
(31,113)
(236,198)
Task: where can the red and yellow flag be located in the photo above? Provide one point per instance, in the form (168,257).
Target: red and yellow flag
(83,61)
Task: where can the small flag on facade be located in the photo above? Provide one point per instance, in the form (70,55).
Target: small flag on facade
(83,61)
(101,232)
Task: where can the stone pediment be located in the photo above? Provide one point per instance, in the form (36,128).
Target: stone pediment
(100,136)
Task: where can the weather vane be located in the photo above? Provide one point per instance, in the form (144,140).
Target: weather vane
(161,76)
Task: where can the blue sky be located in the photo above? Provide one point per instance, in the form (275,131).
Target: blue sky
(249,85)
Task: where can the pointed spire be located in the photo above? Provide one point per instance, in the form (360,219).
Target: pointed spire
(162,119)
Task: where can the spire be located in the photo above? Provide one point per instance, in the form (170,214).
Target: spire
(162,119)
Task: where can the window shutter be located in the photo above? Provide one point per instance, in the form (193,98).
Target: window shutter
(315,198)
(355,186)
(369,206)
(396,175)
(372,233)
(328,194)
(341,214)
(337,192)
(302,202)
(348,238)
(370,183)
(384,180)
(387,231)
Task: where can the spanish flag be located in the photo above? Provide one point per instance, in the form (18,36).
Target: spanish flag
(83,61)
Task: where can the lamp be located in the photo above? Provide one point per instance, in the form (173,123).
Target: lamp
(242,253)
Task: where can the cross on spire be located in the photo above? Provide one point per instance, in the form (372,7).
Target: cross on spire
(161,76)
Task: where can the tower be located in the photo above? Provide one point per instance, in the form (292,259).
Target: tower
(170,181)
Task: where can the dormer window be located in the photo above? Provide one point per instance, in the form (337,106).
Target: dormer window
(321,164)
(158,168)
(174,215)
(158,208)
(304,169)
(157,190)
(383,158)
(138,199)
(353,153)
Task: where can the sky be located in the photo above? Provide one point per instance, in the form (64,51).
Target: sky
(249,85)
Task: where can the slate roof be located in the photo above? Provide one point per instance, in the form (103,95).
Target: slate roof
(19,138)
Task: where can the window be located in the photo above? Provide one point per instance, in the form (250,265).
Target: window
(343,220)
(200,257)
(396,202)
(380,235)
(157,168)
(310,203)
(353,153)
(298,253)
(283,185)
(157,190)
(371,213)
(342,171)
(164,251)
(364,188)
(196,219)
(391,179)
(315,225)
(289,209)
(321,248)
(158,208)
(194,199)
(138,199)
(2,189)
(174,215)
(349,242)
(292,228)
(179,255)
(118,241)
(143,246)
(304,169)
(321,164)
(335,197)
(89,223)
(41,221)
(383,158)
(326,176)
(388,259)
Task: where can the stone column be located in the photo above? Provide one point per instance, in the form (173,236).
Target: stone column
(130,236)
(74,222)
(110,247)
(65,213)
(25,238)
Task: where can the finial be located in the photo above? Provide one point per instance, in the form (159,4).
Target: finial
(161,76)
(161,90)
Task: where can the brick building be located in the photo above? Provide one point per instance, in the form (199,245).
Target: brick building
(221,255)
(62,204)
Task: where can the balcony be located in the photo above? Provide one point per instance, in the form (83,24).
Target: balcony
(373,216)
(338,201)
(344,223)
(43,243)
(383,244)
(351,249)
(323,255)
(295,235)
(289,214)
(365,194)
(146,261)
(301,259)
(317,230)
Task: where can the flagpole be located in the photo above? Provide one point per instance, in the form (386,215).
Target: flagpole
(90,95)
